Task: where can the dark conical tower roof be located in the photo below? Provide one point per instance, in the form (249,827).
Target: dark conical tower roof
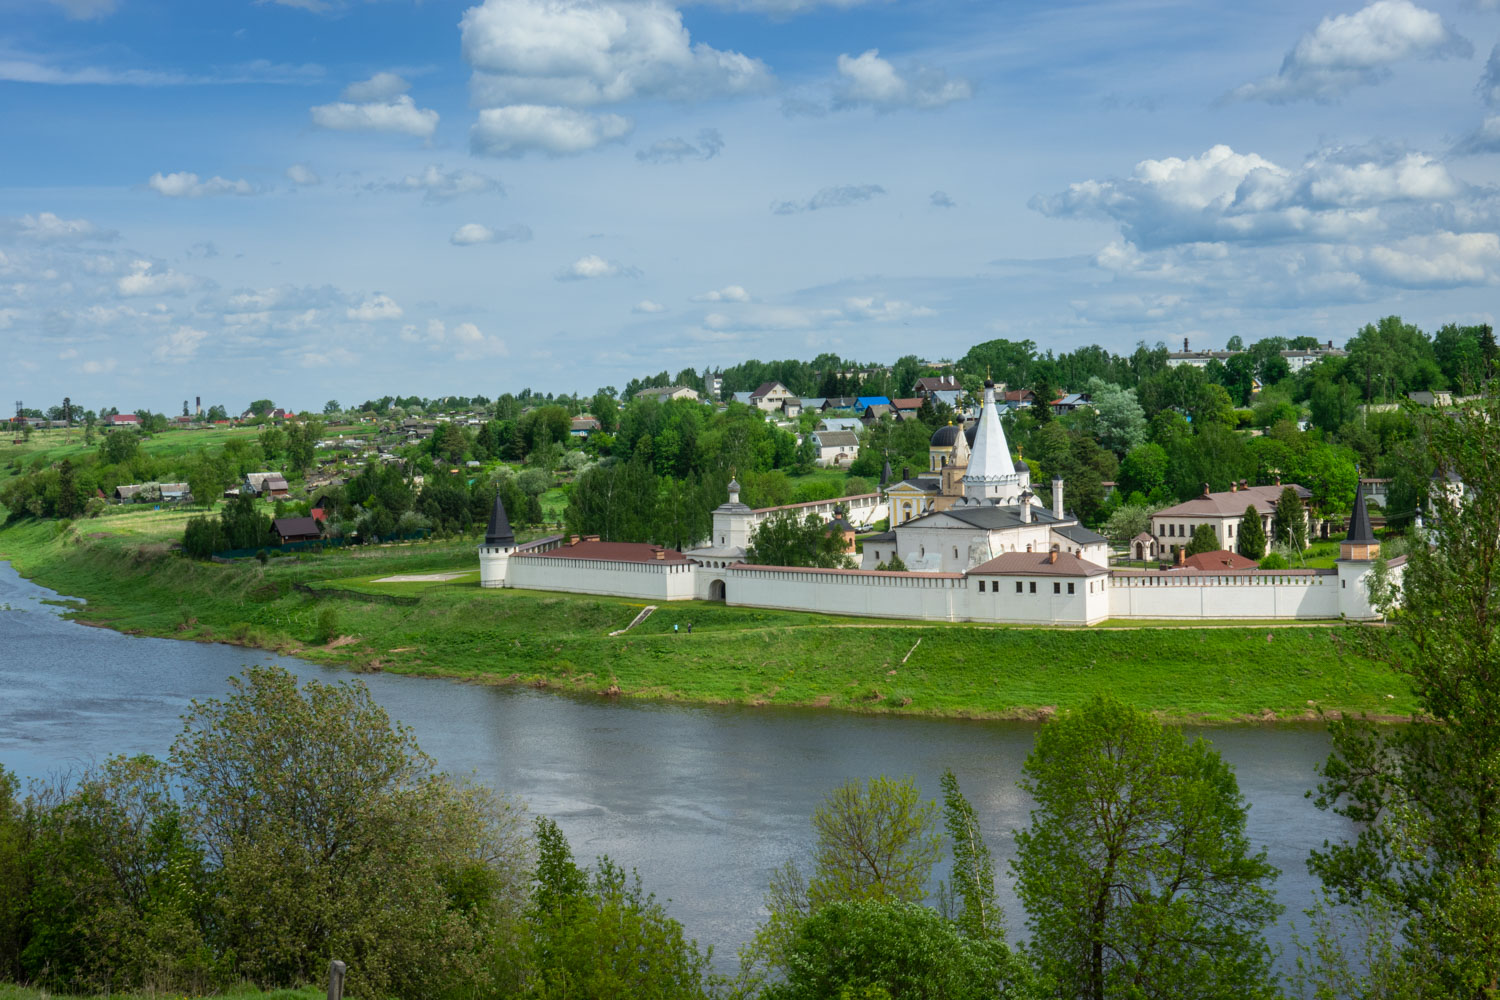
(499,533)
(885,473)
(1360,532)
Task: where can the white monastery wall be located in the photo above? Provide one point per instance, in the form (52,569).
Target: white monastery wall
(1247,594)
(928,597)
(1001,602)
(665,581)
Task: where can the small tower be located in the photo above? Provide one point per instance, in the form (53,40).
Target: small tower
(499,543)
(732,522)
(1357,554)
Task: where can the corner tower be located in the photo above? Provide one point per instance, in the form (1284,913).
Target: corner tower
(499,543)
(1357,554)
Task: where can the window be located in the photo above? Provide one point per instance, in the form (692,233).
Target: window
(877,555)
(1018,586)
(981,586)
(1161,531)
(1070,588)
(1056,587)
(1172,530)
(955,551)
(1033,586)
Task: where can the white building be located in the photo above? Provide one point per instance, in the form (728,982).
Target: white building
(1223,511)
(836,448)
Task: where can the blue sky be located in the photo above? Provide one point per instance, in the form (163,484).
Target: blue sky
(314,199)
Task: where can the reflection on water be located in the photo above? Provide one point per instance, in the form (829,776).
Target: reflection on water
(704,801)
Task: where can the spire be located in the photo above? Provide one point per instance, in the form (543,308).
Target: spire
(499,533)
(885,473)
(960,454)
(1360,532)
(991,475)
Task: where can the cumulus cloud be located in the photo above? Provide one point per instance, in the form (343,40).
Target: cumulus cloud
(787,7)
(1484,139)
(302,174)
(868,80)
(188,185)
(648,307)
(471,233)
(179,346)
(1437,260)
(594,266)
(378,89)
(148,278)
(522,128)
(587,52)
(1352,50)
(940,199)
(830,197)
(466,340)
(48,228)
(1222,195)
(400,115)
(729,293)
(437,184)
(675,150)
(852,310)
(374,308)
(98,367)
(85,10)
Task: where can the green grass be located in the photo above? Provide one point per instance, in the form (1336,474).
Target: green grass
(734,655)
(9,991)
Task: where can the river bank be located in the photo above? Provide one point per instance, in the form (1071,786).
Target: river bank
(334,608)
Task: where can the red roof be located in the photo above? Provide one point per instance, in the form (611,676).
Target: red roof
(625,552)
(124,418)
(1218,559)
(1038,564)
(913,403)
(847,572)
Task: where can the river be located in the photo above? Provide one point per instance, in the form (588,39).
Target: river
(703,801)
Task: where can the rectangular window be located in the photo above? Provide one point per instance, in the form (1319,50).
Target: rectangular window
(981,586)
(1056,587)
(1033,586)
(1018,586)
(1070,587)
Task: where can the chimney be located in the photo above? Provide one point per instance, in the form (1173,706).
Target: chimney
(1184,345)
(1330,345)
(1205,489)
(1057,497)
(573,540)
(1182,556)
(1052,556)
(1234,487)
(905,471)
(660,553)
(1026,507)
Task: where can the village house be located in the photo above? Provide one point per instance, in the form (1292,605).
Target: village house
(666,392)
(582,426)
(836,448)
(296,529)
(1223,511)
(929,385)
(771,396)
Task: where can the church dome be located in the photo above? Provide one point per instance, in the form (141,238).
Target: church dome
(944,437)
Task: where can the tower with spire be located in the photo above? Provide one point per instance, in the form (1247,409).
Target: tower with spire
(1357,555)
(499,543)
(991,476)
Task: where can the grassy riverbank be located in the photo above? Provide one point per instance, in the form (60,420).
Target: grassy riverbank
(452,628)
(10,991)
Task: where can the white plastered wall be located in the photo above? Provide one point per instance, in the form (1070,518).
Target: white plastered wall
(665,581)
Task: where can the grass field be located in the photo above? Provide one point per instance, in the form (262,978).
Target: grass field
(12,992)
(734,655)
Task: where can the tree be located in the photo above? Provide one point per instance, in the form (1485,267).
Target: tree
(1205,539)
(1423,796)
(261,407)
(1234,343)
(1144,469)
(784,539)
(973,889)
(1289,523)
(217,412)
(332,407)
(1121,421)
(1125,522)
(1136,873)
(1250,539)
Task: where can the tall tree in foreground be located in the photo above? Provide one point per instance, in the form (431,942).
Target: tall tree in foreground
(1425,797)
(1205,539)
(973,869)
(1136,874)
(1250,540)
(1289,523)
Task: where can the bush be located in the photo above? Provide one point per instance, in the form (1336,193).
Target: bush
(1274,561)
(328,623)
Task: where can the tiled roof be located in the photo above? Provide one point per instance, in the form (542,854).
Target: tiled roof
(624,552)
(1218,559)
(1038,564)
(1228,502)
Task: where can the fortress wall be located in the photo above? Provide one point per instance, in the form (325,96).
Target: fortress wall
(929,597)
(664,581)
(1247,594)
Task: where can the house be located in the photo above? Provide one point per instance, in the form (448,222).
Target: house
(1223,511)
(268,484)
(814,404)
(1017,399)
(1142,547)
(930,384)
(836,448)
(1070,402)
(124,420)
(863,403)
(176,493)
(296,529)
(875,411)
(1218,559)
(583,426)
(949,398)
(839,403)
(1431,398)
(840,424)
(132,491)
(666,392)
(908,405)
(771,396)
(791,407)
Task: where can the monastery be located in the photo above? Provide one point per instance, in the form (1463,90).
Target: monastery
(978,545)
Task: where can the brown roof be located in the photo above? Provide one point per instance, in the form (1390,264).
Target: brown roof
(847,572)
(1218,559)
(1163,574)
(1038,564)
(288,527)
(937,383)
(1019,395)
(1227,503)
(766,387)
(911,403)
(625,552)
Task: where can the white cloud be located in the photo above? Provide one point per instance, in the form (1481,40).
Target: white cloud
(515,130)
(646,306)
(436,184)
(399,115)
(586,52)
(30,68)
(472,233)
(85,10)
(180,345)
(786,7)
(852,310)
(1438,260)
(146,278)
(187,185)
(1489,81)
(830,197)
(594,266)
(378,89)
(98,367)
(1351,50)
(868,80)
(301,173)
(675,150)
(729,293)
(374,308)
(45,227)
(469,343)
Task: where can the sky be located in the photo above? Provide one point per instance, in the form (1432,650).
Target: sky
(307,200)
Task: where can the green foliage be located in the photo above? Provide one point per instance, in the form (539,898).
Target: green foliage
(1250,537)
(876,842)
(1289,522)
(1274,560)
(785,539)
(895,564)
(979,915)
(261,407)
(1125,522)
(1205,539)
(1136,874)
(899,950)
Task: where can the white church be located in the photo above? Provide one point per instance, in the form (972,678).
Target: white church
(977,544)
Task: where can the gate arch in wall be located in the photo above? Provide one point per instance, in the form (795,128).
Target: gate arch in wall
(716,590)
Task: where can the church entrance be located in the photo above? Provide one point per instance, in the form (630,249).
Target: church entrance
(1140,551)
(716,590)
